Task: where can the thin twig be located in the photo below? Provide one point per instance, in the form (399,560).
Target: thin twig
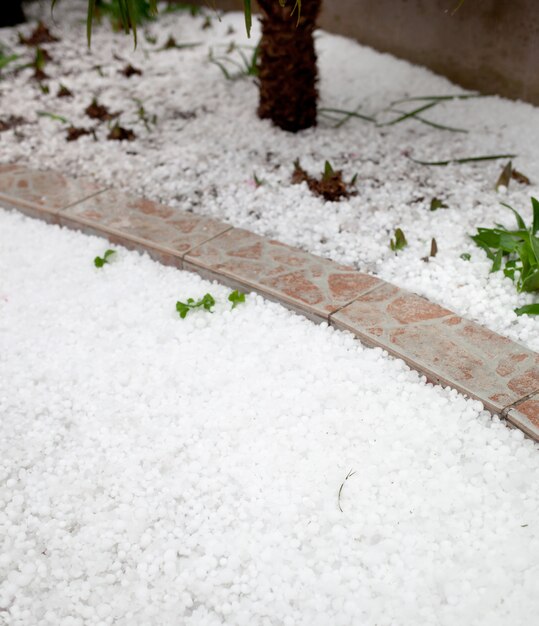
(349,475)
(489,157)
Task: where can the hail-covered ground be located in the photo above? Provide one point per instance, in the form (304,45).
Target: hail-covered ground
(200,146)
(238,467)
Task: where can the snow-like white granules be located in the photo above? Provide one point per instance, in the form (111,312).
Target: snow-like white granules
(159,471)
(207,145)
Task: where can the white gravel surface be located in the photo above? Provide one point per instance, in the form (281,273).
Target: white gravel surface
(207,144)
(159,471)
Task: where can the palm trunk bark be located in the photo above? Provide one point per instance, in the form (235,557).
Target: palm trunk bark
(11,13)
(287,70)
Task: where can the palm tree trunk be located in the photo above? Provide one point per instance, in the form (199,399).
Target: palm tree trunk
(287,70)
(11,13)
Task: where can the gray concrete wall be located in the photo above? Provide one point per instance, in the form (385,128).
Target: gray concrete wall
(488,45)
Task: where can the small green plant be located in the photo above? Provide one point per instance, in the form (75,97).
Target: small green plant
(143,115)
(399,241)
(258,181)
(206,303)
(100,261)
(236,297)
(436,204)
(247,65)
(516,251)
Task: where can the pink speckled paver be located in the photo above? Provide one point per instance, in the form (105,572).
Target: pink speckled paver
(444,346)
(447,348)
(42,194)
(167,233)
(525,415)
(314,286)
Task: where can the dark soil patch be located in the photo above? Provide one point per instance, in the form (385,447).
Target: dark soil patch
(118,133)
(74,132)
(40,35)
(10,122)
(64,92)
(100,112)
(129,71)
(330,185)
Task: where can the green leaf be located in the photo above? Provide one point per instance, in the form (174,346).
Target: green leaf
(183,309)
(521,223)
(528,309)
(236,297)
(208,301)
(497,263)
(465,256)
(535,205)
(399,242)
(100,261)
(531,282)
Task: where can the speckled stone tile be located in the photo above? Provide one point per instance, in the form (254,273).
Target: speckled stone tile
(42,194)
(525,416)
(444,346)
(142,224)
(306,283)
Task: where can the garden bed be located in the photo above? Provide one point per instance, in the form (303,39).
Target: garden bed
(239,467)
(191,139)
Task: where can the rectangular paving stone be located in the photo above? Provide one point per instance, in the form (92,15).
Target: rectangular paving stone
(525,416)
(141,224)
(42,194)
(445,347)
(311,285)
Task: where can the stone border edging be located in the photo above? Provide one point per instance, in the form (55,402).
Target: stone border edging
(443,346)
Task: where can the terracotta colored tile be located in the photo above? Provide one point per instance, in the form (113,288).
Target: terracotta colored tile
(120,239)
(138,220)
(447,348)
(42,194)
(526,416)
(306,283)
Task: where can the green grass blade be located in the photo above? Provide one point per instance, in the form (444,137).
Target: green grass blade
(248,16)
(452,129)
(410,114)
(360,116)
(488,157)
(89,20)
(463,96)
